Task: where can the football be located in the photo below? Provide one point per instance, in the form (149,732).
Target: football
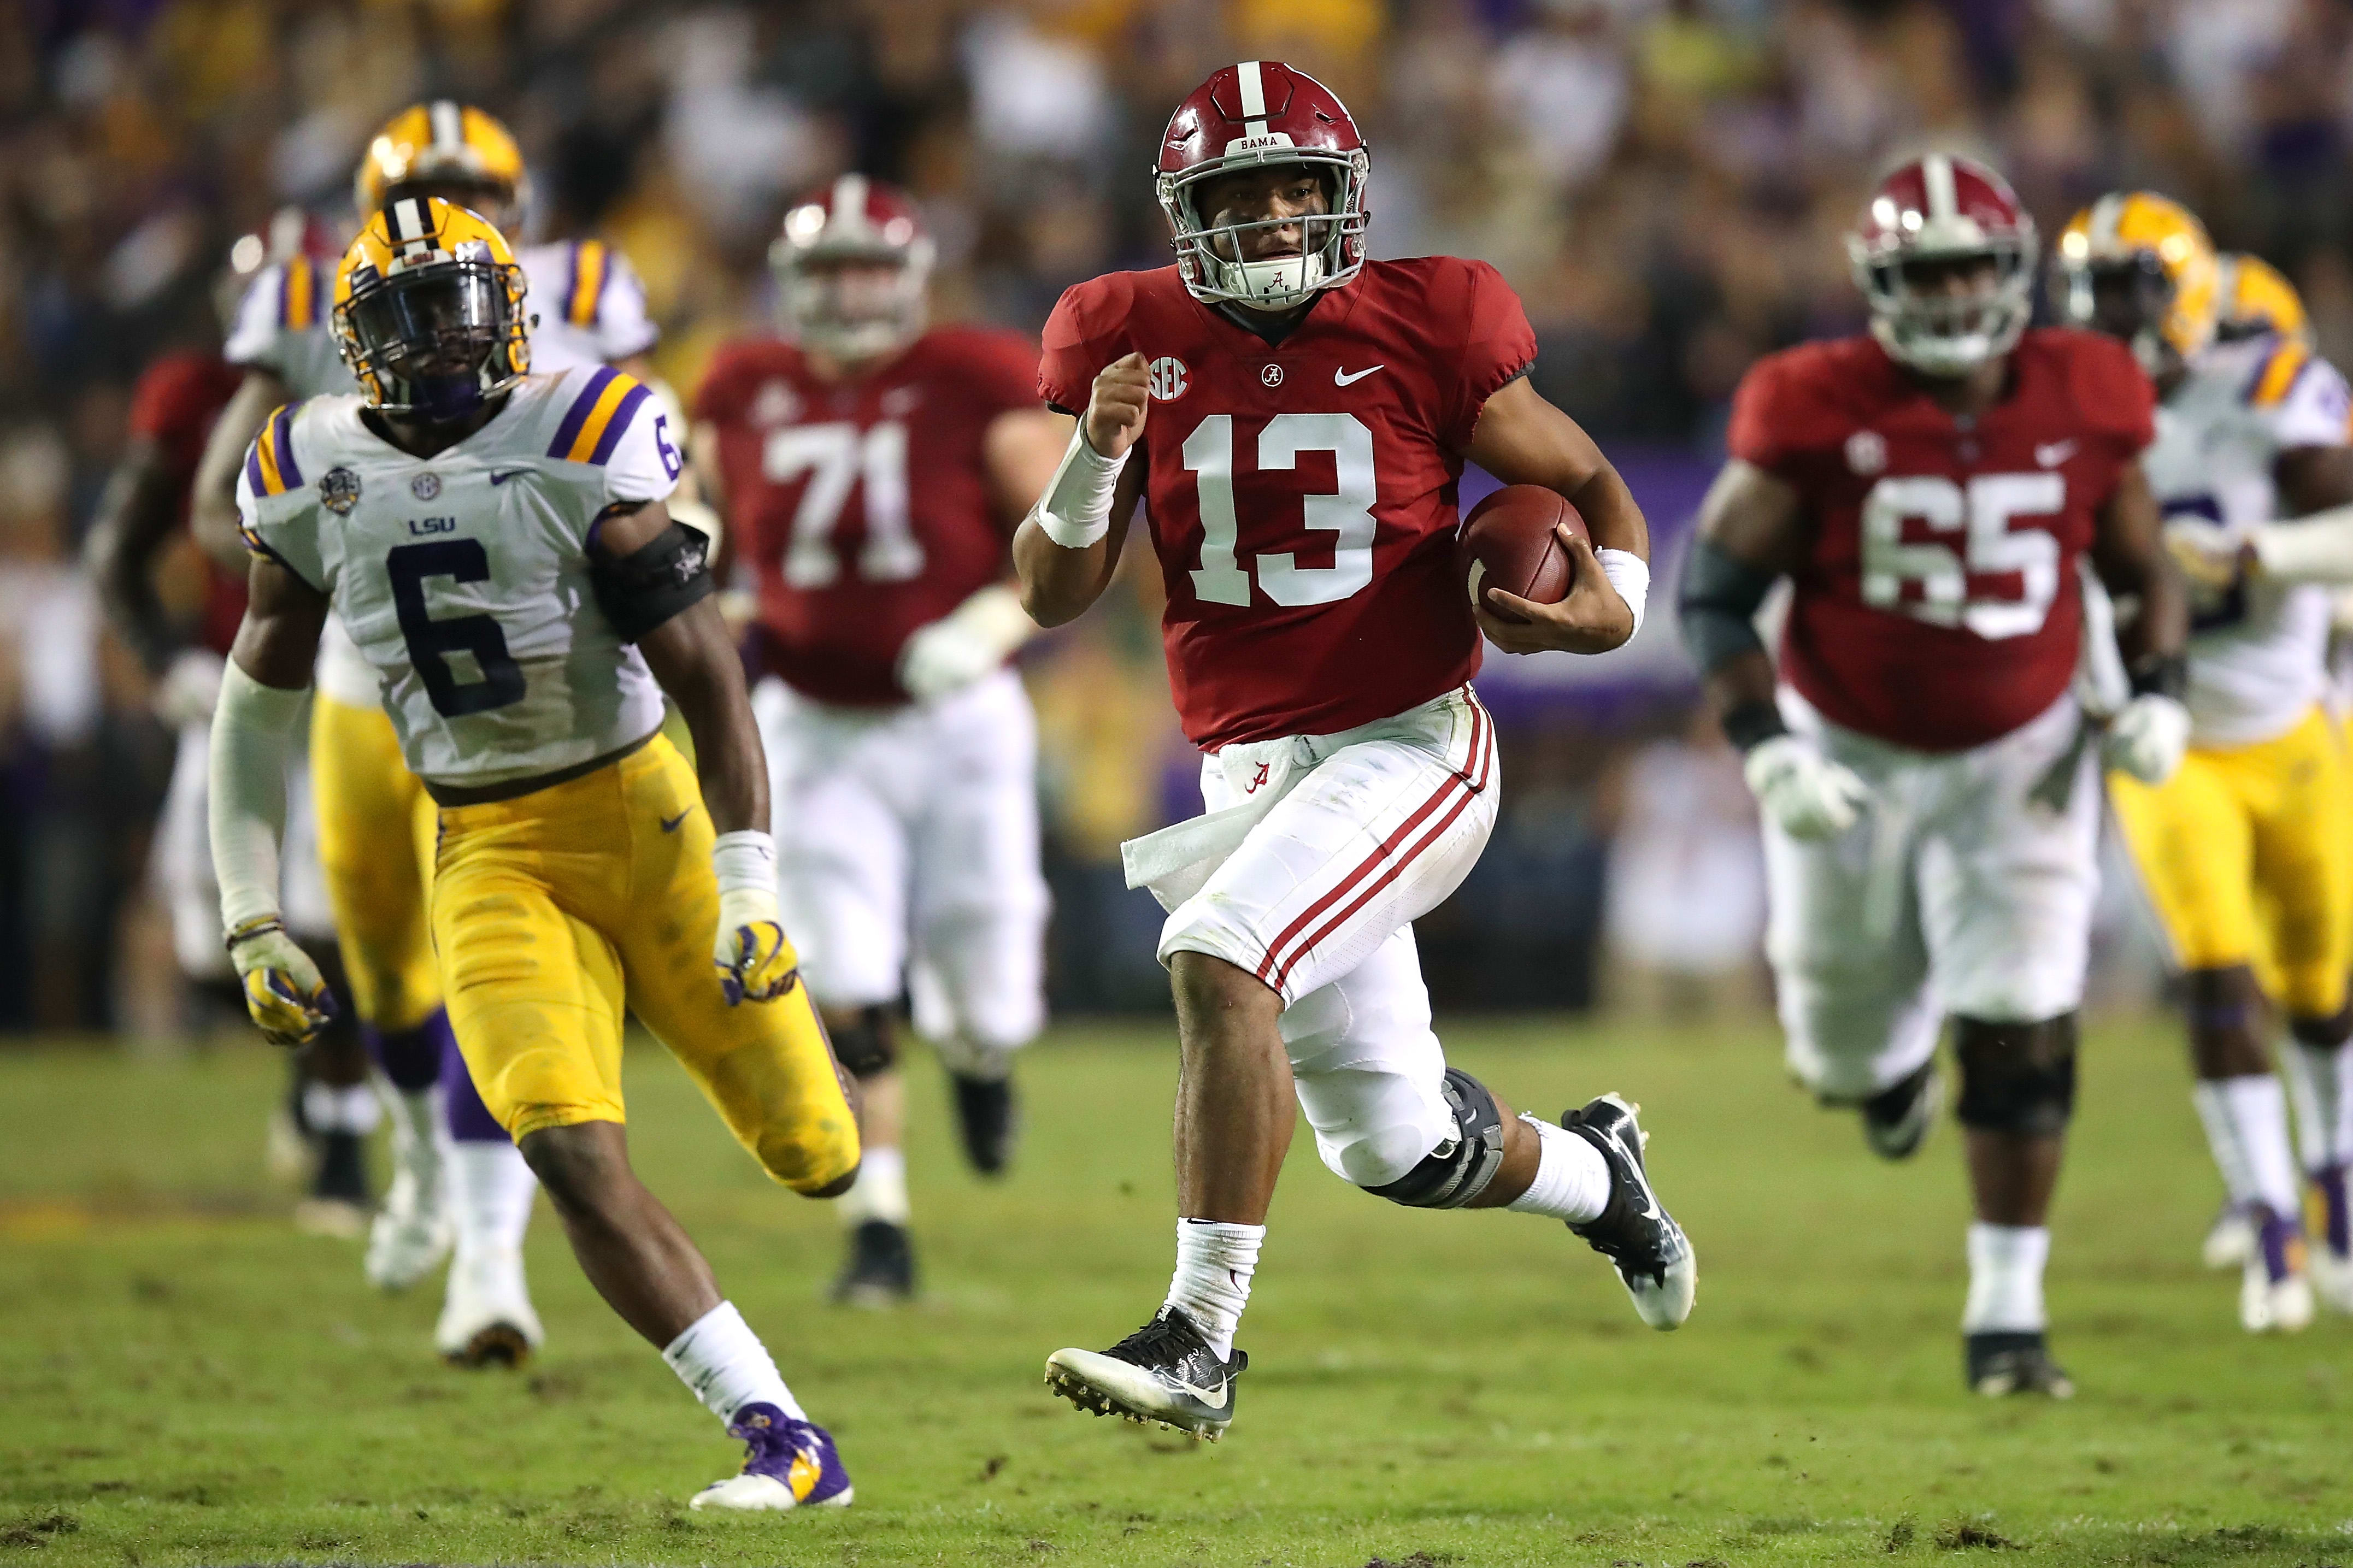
(1508,542)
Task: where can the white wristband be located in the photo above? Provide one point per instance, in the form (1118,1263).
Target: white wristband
(744,862)
(1631,575)
(1075,510)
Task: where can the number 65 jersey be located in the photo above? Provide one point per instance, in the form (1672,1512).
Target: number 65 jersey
(1937,602)
(464,577)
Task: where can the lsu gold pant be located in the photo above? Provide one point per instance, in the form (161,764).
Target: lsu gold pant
(376,845)
(2247,855)
(558,911)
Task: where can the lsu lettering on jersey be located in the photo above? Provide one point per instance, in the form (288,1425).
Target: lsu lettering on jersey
(588,307)
(862,508)
(463,578)
(1937,605)
(2257,650)
(1301,494)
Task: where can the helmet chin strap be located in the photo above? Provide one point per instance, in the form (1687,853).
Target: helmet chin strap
(444,399)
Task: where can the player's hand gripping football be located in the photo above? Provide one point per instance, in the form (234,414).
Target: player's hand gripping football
(1805,793)
(756,960)
(283,991)
(1592,617)
(1117,408)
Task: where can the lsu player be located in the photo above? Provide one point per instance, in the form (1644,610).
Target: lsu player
(876,468)
(375,822)
(2247,852)
(497,546)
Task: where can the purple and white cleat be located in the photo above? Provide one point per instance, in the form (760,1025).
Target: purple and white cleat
(789,1464)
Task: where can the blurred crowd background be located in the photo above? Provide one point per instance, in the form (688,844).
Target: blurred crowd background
(1665,181)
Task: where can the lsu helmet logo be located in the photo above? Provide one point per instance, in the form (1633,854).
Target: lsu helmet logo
(1168,380)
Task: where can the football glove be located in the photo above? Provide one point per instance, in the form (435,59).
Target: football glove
(2210,556)
(755,959)
(963,646)
(190,687)
(283,991)
(2146,738)
(1804,794)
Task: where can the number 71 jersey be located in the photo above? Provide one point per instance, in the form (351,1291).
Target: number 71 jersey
(1937,605)
(464,577)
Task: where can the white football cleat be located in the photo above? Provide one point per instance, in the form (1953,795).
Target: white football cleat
(410,1235)
(2231,1241)
(787,1464)
(2275,1294)
(486,1317)
(2332,1278)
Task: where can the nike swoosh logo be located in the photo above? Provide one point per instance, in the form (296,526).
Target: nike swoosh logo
(2054,453)
(497,478)
(1225,1392)
(670,824)
(1349,378)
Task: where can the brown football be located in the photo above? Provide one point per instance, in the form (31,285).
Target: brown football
(1508,542)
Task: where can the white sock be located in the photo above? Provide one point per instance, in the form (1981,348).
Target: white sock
(2006,1279)
(2323,1078)
(351,1108)
(415,1118)
(1572,1178)
(490,1192)
(881,1190)
(2246,1126)
(722,1361)
(1214,1264)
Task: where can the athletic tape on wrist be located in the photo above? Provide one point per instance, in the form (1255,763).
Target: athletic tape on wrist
(745,862)
(1631,575)
(1075,510)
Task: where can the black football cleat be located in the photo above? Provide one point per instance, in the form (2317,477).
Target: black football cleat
(1165,1371)
(1652,1255)
(1998,1364)
(1896,1121)
(880,1270)
(988,1117)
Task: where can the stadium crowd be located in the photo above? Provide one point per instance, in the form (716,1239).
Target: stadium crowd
(1664,181)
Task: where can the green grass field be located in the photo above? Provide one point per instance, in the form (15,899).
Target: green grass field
(185,1380)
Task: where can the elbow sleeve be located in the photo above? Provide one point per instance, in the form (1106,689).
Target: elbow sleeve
(253,737)
(1715,605)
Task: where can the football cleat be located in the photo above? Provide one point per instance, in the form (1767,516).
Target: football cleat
(1165,1371)
(411,1234)
(880,1271)
(2274,1293)
(2230,1241)
(486,1316)
(1896,1121)
(787,1464)
(989,1116)
(1652,1255)
(2330,1261)
(2002,1363)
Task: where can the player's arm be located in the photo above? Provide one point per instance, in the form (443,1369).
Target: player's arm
(136,516)
(2148,734)
(211,503)
(1524,440)
(1752,531)
(1019,450)
(2313,542)
(1067,548)
(256,735)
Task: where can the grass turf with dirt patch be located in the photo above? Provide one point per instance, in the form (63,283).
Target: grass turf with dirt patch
(183,1379)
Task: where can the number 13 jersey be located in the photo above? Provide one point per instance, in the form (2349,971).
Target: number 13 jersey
(1936,601)
(1301,494)
(464,577)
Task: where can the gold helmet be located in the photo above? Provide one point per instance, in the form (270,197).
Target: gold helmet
(456,151)
(2257,298)
(2139,266)
(429,311)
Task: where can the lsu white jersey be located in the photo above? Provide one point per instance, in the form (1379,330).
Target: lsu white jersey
(589,306)
(463,578)
(2256,650)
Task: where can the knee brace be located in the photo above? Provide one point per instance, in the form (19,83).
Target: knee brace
(2018,1079)
(867,1047)
(1458,1170)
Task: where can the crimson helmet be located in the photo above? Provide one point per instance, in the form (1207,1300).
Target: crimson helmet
(1258,113)
(1942,207)
(854,220)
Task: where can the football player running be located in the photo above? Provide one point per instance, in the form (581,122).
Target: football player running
(1930,813)
(497,545)
(875,468)
(460,1180)
(1296,419)
(2247,852)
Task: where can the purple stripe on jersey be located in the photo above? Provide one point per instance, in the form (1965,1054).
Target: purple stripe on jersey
(253,470)
(282,446)
(569,431)
(618,423)
(572,287)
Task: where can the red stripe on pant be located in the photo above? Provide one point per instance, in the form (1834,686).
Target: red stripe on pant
(1436,831)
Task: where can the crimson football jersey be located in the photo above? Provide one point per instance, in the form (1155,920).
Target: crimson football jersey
(1937,605)
(178,398)
(862,505)
(1301,496)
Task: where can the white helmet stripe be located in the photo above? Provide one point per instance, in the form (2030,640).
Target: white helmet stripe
(2108,214)
(408,219)
(1937,173)
(448,124)
(1253,90)
(849,202)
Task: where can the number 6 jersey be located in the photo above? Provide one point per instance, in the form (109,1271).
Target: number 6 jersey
(1937,605)
(464,577)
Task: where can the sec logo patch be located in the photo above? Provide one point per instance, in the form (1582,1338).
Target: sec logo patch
(1167,383)
(425,486)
